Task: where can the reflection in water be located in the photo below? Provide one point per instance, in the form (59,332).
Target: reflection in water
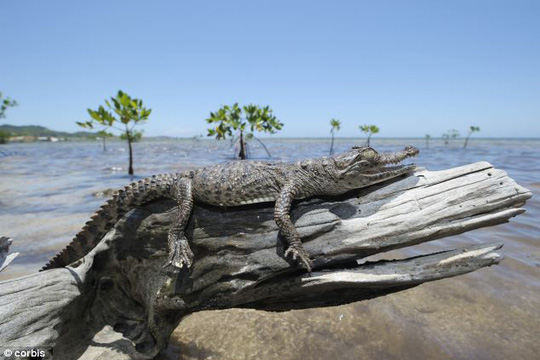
(47,193)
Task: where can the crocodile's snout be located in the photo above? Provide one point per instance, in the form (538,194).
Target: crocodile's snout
(412,151)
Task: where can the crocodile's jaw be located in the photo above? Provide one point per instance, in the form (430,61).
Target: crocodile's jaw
(375,168)
(386,173)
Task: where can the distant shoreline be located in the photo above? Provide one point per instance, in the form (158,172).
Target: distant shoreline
(19,140)
(36,133)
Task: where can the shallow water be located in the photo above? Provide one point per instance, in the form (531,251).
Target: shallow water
(47,194)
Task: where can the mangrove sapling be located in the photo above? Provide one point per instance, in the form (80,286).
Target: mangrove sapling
(472,129)
(335,124)
(454,134)
(130,112)
(234,121)
(4,136)
(445,137)
(104,135)
(5,103)
(450,135)
(369,130)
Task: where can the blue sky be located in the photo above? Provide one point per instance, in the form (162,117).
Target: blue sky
(411,67)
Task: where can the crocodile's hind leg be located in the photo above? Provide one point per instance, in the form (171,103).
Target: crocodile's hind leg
(287,228)
(180,253)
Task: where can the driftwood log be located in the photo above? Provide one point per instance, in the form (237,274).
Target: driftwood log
(6,259)
(119,302)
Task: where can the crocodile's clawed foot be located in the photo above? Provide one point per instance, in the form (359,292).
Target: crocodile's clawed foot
(301,256)
(180,256)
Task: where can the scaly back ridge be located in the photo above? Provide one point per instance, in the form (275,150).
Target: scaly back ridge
(134,194)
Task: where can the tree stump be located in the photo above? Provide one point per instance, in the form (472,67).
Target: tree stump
(119,302)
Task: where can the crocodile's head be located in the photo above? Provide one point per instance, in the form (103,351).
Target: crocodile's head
(363,166)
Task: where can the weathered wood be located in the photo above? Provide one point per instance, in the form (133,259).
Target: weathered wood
(5,259)
(119,301)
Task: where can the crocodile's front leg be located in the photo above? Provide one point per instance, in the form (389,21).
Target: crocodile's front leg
(286,227)
(180,253)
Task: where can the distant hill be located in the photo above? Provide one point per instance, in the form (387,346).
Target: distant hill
(35,130)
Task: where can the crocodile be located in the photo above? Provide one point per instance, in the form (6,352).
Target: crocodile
(240,183)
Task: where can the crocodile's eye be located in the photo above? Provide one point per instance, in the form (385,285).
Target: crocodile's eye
(369,154)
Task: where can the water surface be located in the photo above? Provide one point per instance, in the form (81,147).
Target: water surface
(47,193)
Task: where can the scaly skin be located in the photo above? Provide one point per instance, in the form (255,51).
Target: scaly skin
(239,183)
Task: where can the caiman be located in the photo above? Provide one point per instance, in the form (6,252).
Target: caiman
(239,183)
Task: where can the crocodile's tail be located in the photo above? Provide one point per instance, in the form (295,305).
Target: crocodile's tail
(135,194)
